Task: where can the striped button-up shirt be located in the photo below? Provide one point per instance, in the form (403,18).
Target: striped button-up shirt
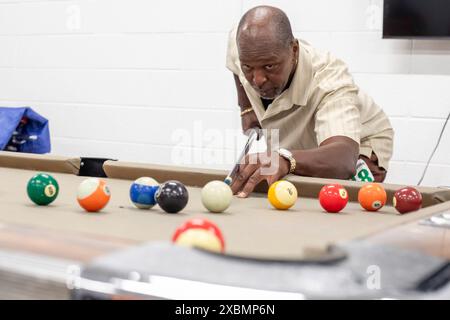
(322,101)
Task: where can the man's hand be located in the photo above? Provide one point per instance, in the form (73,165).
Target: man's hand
(258,167)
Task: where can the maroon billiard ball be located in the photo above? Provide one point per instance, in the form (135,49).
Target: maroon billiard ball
(407,199)
(333,198)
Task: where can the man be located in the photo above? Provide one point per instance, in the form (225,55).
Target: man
(324,122)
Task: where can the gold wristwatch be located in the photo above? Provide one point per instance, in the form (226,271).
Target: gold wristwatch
(286,154)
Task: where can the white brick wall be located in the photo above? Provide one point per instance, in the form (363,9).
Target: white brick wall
(128,79)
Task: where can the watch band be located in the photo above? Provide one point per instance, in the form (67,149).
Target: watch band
(293,164)
(288,156)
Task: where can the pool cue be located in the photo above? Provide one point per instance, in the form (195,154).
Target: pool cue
(251,138)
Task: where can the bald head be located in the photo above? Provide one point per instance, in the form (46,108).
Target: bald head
(267,50)
(265,25)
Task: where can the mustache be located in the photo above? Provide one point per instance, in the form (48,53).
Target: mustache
(269,93)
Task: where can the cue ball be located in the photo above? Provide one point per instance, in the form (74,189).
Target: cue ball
(333,198)
(93,194)
(172,196)
(372,196)
(407,199)
(142,192)
(216,196)
(200,233)
(42,189)
(282,194)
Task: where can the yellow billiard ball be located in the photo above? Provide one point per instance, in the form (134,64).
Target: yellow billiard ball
(282,195)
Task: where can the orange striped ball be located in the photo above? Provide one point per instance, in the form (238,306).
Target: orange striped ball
(93,194)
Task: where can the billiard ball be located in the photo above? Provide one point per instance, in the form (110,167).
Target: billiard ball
(372,196)
(282,194)
(142,192)
(216,196)
(407,199)
(42,189)
(200,233)
(333,198)
(172,196)
(93,194)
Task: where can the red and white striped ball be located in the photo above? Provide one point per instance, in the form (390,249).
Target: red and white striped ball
(200,233)
(93,194)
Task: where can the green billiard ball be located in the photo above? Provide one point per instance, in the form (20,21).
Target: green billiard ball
(42,189)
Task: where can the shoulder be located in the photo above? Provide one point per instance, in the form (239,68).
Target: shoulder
(329,71)
(331,78)
(232,58)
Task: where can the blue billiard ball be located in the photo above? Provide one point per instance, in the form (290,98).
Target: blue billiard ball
(142,192)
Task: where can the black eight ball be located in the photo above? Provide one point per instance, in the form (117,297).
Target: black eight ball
(172,196)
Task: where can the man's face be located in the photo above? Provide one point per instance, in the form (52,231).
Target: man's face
(266,69)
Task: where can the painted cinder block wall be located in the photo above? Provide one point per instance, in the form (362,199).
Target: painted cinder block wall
(129,79)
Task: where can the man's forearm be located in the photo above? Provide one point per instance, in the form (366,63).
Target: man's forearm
(337,160)
(243,100)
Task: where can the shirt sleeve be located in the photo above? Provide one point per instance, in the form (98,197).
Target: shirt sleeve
(338,115)
(232,59)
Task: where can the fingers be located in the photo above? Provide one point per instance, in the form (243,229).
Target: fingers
(250,174)
(246,169)
(251,183)
(254,180)
(271,179)
(241,177)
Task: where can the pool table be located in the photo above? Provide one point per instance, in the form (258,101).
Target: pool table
(65,234)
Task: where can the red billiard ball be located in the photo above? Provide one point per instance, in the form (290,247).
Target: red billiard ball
(407,199)
(333,198)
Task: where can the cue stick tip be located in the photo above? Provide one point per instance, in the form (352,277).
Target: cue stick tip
(228,180)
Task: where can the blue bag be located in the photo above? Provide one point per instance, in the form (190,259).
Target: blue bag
(23,130)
